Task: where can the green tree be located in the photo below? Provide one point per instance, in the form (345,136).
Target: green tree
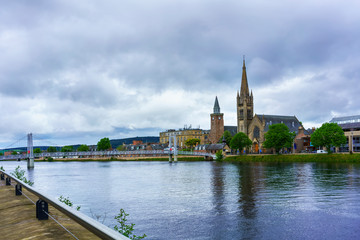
(240,141)
(1,154)
(83,148)
(103,144)
(14,152)
(121,148)
(37,150)
(67,149)
(227,135)
(278,137)
(192,142)
(328,135)
(219,155)
(51,149)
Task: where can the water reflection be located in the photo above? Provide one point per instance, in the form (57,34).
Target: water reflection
(218,182)
(247,193)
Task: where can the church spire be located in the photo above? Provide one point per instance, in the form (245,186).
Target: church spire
(216,106)
(244,91)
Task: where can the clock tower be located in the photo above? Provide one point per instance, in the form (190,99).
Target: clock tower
(216,123)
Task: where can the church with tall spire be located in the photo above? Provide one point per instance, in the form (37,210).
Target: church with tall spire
(253,125)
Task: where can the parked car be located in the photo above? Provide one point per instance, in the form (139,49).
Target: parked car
(321,151)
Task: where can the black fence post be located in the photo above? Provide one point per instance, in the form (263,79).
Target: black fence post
(41,208)
(8,181)
(18,189)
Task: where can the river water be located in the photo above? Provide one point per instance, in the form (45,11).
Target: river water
(210,200)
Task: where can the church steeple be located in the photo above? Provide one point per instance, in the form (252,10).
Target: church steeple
(216,106)
(244,91)
(245,107)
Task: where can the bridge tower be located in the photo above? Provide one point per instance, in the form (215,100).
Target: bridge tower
(175,148)
(30,151)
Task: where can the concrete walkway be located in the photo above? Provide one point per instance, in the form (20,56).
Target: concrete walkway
(18,219)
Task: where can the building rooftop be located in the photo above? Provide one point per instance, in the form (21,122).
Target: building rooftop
(345,120)
(290,121)
(231,129)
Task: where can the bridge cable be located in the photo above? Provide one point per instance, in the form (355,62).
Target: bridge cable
(17,141)
(49,215)
(44,140)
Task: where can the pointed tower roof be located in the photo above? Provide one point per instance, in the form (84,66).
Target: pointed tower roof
(216,106)
(244,91)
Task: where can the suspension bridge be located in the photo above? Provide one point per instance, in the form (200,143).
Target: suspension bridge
(29,155)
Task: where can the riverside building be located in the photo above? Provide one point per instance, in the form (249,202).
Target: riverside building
(184,134)
(351,127)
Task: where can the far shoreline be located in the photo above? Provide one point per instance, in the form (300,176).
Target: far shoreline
(274,158)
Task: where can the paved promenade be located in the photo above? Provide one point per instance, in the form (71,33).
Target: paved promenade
(18,219)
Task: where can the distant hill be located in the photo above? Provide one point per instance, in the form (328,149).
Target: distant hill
(114,143)
(117,142)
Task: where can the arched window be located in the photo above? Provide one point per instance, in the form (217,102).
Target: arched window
(256,132)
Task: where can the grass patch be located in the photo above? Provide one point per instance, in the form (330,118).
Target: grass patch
(338,158)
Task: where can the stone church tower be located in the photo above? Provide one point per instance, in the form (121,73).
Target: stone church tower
(245,104)
(216,123)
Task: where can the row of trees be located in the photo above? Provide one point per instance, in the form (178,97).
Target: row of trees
(329,135)
(103,145)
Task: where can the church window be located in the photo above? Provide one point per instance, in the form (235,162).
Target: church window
(256,132)
(293,124)
(241,113)
(249,113)
(270,122)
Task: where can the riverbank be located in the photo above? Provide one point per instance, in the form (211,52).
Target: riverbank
(338,157)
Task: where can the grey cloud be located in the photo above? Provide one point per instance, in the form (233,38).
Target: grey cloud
(120,54)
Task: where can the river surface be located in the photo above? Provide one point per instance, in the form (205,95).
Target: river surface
(210,200)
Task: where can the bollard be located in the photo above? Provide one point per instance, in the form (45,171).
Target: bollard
(18,189)
(41,208)
(8,181)
(2,176)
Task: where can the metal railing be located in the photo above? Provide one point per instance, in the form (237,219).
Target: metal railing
(90,224)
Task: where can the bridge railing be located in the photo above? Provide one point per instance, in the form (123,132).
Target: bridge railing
(104,153)
(90,224)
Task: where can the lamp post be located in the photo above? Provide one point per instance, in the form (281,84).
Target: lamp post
(352,141)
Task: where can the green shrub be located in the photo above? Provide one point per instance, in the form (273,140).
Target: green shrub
(124,228)
(19,174)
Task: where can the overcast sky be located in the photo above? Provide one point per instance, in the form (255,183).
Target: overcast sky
(76,71)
